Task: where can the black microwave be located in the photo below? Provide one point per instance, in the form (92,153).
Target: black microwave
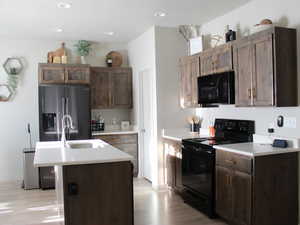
(216,89)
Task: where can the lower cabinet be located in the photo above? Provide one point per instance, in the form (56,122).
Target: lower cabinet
(98,194)
(223,193)
(125,142)
(172,161)
(233,195)
(259,190)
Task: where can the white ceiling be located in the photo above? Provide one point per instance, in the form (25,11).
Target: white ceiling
(89,19)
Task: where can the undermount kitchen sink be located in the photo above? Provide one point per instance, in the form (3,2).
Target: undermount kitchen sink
(83,145)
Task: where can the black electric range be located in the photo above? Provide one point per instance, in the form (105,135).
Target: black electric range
(198,162)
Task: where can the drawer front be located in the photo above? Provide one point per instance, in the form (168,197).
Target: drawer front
(119,139)
(131,149)
(235,161)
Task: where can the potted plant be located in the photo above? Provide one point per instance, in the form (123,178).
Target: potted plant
(83,49)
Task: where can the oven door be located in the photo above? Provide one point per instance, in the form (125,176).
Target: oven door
(198,170)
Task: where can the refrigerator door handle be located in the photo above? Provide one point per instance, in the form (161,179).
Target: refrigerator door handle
(68,113)
(63,102)
(67,106)
(43,104)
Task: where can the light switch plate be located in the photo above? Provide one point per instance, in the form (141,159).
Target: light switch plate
(290,122)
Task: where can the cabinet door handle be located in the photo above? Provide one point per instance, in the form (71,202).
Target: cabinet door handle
(249,93)
(72,189)
(228,180)
(230,161)
(254,92)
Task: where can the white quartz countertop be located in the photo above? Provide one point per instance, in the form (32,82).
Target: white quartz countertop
(51,153)
(180,134)
(254,149)
(113,132)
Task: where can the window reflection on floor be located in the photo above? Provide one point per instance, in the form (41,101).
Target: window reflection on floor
(37,207)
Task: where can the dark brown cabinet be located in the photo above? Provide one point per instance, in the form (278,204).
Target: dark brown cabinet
(242,57)
(223,193)
(100,93)
(216,60)
(77,74)
(233,187)
(125,142)
(207,62)
(265,67)
(121,86)
(172,161)
(252,191)
(241,184)
(99,194)
(189,72)
(111,87)
(64,73)
(211,61)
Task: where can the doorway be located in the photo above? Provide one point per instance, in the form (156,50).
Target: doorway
(146,123)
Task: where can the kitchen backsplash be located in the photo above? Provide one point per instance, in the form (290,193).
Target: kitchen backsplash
(112,116)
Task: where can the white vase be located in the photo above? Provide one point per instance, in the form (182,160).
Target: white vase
(82,58)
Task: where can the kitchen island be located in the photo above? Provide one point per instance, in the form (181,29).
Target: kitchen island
(94,181)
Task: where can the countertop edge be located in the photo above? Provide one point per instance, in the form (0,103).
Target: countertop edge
(241,152)
(82,162)
(114,133)
(172,138)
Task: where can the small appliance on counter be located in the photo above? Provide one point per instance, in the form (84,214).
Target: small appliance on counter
(198,162)
(98,125)
(125,125)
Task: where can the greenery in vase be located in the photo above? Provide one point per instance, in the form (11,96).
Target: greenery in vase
(83,48)
(12,81)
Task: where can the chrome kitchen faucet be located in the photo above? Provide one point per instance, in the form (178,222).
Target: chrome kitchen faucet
(66,122)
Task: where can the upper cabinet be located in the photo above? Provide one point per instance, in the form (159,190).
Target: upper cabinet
(100,93)
(211,61)
(216,60)
(265,66)
(242,56)
(111,87)
(77,74)
(189,72)
(63,73)
(121,86)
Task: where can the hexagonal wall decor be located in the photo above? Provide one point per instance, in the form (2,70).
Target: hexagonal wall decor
(13,66)
(5,93)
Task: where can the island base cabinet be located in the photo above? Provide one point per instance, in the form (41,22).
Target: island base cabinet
(126,143)
(98,194)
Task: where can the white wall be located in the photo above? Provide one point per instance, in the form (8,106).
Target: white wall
(23,109)
(141,56)
(284,13)
(170,46)
(159,50)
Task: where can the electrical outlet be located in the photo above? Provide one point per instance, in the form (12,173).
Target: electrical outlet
(290,122)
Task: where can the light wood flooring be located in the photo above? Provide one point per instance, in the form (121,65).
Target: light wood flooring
(37,207)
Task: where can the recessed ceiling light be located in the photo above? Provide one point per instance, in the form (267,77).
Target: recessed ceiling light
(63,5)
(110,33)
(160,14)
(59,30)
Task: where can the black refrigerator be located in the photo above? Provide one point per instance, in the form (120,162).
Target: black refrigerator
(55,101)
